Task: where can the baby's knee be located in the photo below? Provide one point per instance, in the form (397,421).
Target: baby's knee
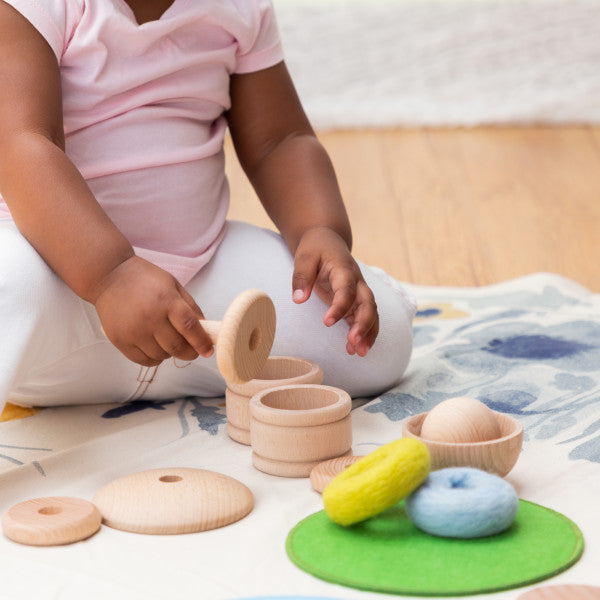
(385,363)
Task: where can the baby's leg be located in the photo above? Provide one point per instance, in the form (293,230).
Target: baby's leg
(250,257)
(52,349)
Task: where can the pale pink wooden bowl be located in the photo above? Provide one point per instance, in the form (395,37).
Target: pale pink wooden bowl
(295,427)
(278,371)
(495,456)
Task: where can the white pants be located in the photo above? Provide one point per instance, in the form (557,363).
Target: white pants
(53,351)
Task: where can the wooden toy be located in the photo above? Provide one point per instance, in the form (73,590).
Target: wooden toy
(244,337)
(294,427)
(497,455)
(460,420)
(562,592)
(277,371)
(51,521)
(172,501)
(322,475)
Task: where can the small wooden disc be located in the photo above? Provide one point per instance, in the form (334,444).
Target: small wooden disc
(246,336)
(562,592)
(325,472)
(173,500)
(51,521)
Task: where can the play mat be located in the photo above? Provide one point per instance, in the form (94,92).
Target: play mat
(528,347)
(383,63)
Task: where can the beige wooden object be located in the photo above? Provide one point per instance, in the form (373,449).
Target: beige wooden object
(562,592)
(495,456)
(294,427)
(460,420)
(51,521)
(244,337)
(322,475)
(173,501)
(278,371)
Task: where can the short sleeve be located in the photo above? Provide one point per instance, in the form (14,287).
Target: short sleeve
(262,47)
(54,19)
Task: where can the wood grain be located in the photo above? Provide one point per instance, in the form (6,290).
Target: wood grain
(173,501)
(464,207)
(278,371)
(562,592)
(295,427)
(244,336)
(325,472)
(497,456)
(52,521)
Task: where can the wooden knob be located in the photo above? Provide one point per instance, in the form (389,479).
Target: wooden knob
(244,337)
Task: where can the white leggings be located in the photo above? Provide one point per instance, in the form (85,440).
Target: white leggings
(53,351)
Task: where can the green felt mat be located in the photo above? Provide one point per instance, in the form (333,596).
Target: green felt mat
(389,554)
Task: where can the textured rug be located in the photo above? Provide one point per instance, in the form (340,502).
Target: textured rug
(528,347)
(383,63)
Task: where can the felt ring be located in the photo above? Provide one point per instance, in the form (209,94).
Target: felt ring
(377,481)
(463,502)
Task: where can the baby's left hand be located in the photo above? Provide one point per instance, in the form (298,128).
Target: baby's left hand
(323,262)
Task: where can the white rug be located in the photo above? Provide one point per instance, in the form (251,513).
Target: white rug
(528,347)
(382,63)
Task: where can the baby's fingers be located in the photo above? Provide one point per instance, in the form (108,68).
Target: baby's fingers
(343,286)
(186,322)
(365,325)
(306,267)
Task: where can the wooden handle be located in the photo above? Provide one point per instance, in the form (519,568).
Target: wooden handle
(212,328)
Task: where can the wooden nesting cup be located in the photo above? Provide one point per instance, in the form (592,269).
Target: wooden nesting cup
(278,371)
(295,427)
(244,337)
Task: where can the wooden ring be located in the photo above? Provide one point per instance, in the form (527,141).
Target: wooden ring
(51,521)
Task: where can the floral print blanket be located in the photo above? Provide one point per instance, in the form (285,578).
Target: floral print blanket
(529,347)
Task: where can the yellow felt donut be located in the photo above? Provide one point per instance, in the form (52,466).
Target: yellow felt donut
(377,481)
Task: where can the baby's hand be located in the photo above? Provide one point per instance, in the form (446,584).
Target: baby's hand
(324,263)
(149,316)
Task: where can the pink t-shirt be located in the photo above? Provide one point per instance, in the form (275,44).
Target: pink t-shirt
(143,112)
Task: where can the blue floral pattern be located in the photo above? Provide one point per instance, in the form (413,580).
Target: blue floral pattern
(532,354)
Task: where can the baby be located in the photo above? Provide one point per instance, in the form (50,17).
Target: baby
(114,243)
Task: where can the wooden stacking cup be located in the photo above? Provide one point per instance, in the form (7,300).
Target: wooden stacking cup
(278,371)
(295,427)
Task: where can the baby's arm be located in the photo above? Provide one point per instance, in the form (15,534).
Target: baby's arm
(295,181)
(143,310)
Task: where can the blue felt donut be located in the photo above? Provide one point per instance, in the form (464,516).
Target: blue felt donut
(462,502)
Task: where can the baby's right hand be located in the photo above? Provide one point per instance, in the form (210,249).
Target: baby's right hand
(149,316)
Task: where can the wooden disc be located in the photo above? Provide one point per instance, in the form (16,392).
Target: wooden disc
(324,472)
(562,592)
(246,336)
(51,521)
(173,500)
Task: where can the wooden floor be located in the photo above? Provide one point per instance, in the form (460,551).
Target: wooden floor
(465,207)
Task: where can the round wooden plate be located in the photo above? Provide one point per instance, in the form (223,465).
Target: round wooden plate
(172,501)
(322,475)
(562,592)
(51,521)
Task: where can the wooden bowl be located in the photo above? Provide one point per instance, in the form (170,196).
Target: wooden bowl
(494,456)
